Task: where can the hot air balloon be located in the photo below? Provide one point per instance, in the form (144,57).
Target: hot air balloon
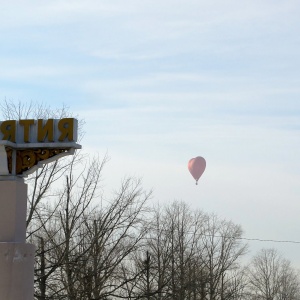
(196,167)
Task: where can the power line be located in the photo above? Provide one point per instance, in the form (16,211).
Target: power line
(218,236)
(264,240)
(244,238)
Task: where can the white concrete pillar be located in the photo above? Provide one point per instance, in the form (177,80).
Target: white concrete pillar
(16,257)
(16,271)
(13,205)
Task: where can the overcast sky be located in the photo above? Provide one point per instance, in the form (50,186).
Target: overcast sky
(160,82)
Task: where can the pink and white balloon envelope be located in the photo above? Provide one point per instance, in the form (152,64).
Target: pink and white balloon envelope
(196,167)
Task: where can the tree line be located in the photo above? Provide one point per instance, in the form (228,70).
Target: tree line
(90,247)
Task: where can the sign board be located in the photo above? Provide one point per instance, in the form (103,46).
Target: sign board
(27,144)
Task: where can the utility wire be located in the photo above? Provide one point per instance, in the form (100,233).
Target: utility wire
(273,241)
(216,236)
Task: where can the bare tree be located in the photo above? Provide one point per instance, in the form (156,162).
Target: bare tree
(193,256)
(222,249)
(185,229)
(56,228)
(272,278)
(111,234)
